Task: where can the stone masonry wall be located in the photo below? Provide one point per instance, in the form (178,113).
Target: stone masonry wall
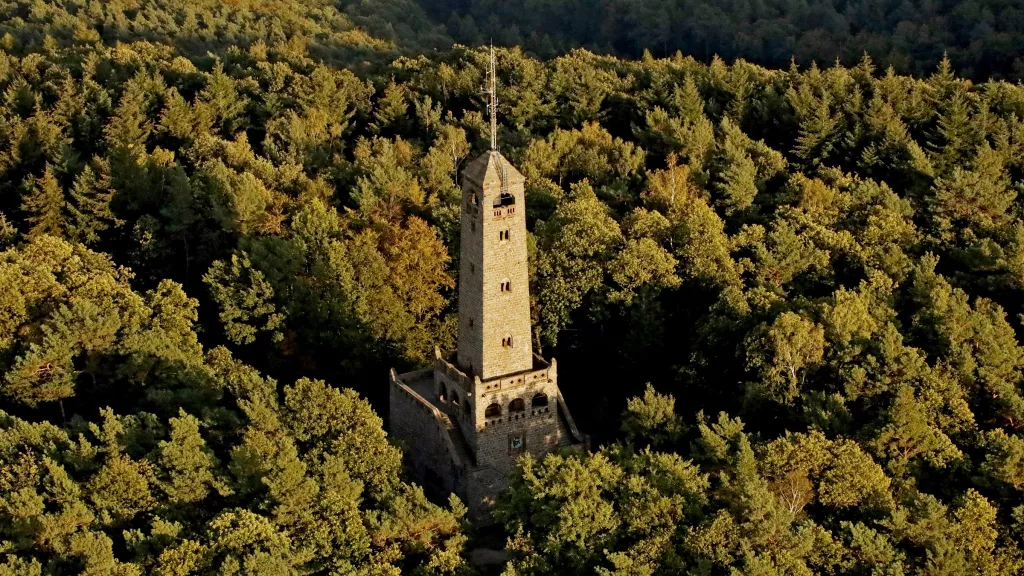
(459,395)
(482,488)
(522,385)
(424,440)
(506,312)
(539,426)
(469,349)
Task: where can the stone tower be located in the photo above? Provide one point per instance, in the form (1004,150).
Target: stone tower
(494,296)
(465,420)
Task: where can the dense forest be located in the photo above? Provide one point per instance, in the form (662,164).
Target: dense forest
(799,290)
(983,38)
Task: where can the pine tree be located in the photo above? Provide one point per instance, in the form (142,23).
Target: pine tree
(736,183)
(943,81)
(908,433)
(816,140)
(224,100)
(956,137)
(864,72)
(1004,458)
(652,419)
(7,232)
(44,206)
(245,298)
(688,100)
(392,109)
(89,207)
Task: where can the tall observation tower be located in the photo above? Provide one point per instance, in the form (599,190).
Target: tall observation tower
(464,421)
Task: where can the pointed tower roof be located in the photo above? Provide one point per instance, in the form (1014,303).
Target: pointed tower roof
(490,168)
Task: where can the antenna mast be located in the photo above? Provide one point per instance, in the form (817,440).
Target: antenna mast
(492,105)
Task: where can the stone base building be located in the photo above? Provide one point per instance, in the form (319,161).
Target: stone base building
(465,421)
(465,443)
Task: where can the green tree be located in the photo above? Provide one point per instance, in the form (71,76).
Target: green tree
(573,249)
(89,206)
(783,352)
(44,205)
(652,419)
(246,300)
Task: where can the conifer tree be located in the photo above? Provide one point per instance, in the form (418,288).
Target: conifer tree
(44,205)
(652,419)
(815,142)
(688,100)
(246,300)
(956,138)
(7,232)
(736,183)
(391,109)
(89,207)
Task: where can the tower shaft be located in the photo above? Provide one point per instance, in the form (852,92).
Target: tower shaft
(494,297)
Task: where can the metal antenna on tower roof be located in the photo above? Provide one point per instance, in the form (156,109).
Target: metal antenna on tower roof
(492,102)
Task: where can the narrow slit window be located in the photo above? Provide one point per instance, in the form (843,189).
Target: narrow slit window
(506,342)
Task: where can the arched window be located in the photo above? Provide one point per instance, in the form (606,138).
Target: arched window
(474,200)
(504,199)
(492,411)
(540,400)
(517,405)
(506,342)
(455,398)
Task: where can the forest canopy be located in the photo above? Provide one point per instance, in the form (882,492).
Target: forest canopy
(983,38)
(804,285)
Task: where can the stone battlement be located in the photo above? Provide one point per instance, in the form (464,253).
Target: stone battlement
(542,371)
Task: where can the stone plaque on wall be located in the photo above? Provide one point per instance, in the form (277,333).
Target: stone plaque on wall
(517,443)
